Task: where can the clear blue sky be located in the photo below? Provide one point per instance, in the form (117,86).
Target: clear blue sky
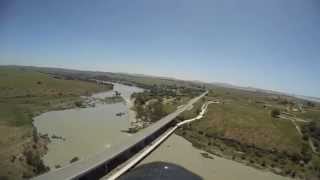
(272,44)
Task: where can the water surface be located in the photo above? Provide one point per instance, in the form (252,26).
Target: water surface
(86,131)
(179,151)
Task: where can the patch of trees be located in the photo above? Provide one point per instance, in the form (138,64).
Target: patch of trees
(312,130)
(34,160)
(310,104)
(151,112)
(154,109)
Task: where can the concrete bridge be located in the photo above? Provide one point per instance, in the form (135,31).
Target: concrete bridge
(101,164)
(145,152)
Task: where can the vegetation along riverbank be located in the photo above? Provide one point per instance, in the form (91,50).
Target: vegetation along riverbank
(24,94)
(242,126)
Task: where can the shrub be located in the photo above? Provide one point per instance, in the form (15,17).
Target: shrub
(78,103)
(275,113)
(305,137)
(74,159)
(34,160)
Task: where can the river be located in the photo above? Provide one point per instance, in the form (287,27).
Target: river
(179,151)
(86,131)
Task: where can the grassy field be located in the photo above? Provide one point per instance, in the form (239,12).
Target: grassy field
(241,128)
(23,95)
(251,125)
(27,93)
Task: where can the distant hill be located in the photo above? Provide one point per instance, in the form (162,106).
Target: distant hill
(315,99)
(151,80)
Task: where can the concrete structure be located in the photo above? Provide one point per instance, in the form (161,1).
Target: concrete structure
(145,152)
(101,164)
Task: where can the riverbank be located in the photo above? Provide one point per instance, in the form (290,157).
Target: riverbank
(25,94)
(241,128)
(103,119)
(208,168)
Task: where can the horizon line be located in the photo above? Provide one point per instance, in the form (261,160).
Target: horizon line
(218,83)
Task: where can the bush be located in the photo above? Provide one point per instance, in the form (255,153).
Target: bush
(34,160)
(275,113)
(74,159)
(78,103)
(305,137)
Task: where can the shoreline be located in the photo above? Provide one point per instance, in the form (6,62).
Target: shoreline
(209,167)
(245,162)
(44,139)
(96,104)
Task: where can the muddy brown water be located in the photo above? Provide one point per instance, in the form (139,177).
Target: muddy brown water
(179,151)
(86,131)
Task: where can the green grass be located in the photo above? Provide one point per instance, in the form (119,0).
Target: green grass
(24,93)
(17,82)
(251,125)
(242,122)
(310,115)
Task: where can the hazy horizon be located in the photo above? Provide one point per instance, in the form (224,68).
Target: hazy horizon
(167,77)
(271,45)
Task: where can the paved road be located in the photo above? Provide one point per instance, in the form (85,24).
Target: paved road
(79,168)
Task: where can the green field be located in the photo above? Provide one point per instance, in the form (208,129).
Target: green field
(25,93)
(251,125)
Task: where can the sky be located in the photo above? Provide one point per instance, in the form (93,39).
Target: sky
(270,44)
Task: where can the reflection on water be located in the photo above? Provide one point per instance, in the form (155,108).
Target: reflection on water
(180,151)
(86,131)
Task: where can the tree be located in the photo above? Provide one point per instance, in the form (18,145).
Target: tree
(157,111)
(310,104)
(275,113)
(117,93)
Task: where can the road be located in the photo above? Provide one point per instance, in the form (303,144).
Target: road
(294,120)
(81,167)
(134,161)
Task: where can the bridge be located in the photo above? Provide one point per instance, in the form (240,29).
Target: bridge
(135,160)
(101,164)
